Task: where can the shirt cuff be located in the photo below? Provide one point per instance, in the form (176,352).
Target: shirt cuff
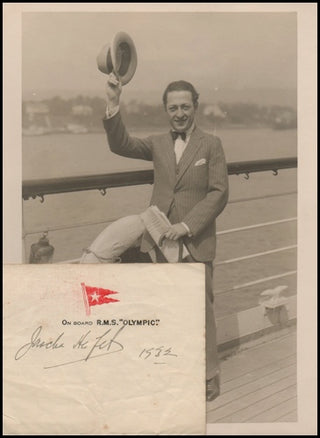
(187,228)
(113,112)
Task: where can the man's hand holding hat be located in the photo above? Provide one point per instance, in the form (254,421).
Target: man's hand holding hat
(113,92)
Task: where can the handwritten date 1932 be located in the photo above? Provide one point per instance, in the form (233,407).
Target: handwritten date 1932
(155,352)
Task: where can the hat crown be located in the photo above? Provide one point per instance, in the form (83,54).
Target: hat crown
(119,57)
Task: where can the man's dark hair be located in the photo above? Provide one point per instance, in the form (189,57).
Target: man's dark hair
(181,86)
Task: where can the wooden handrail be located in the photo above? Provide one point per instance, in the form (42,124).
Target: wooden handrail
(102,182)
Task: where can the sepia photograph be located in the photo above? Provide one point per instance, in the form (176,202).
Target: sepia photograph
(171,136)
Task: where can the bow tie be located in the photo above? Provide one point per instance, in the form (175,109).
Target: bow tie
(175,135)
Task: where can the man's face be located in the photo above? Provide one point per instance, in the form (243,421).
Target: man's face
(180,110)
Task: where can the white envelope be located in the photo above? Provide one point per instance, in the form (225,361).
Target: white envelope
(104,349)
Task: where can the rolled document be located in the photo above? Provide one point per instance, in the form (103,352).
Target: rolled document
(157,224)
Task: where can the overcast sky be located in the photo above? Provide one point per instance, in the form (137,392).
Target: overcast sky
(212,50)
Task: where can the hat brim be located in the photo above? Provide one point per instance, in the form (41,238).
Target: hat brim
(104,61)
(120,57)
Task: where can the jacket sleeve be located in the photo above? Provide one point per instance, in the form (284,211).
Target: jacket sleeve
(121,143)
(206,210)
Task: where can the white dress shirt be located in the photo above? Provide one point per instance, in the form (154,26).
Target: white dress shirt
(180,145)
(113,112)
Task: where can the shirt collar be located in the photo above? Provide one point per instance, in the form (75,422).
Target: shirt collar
(190,130)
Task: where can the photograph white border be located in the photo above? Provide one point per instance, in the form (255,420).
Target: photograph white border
(307,173)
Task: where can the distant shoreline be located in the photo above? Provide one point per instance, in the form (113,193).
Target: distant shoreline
(144,130)
(262,96)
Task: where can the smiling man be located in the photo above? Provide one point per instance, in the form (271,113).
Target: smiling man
(190,187)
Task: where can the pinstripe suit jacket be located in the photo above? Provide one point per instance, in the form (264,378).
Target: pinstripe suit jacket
(189,193)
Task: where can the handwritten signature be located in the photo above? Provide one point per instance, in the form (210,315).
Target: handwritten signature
(104,342)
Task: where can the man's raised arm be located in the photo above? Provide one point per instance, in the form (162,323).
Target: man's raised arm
(120,142)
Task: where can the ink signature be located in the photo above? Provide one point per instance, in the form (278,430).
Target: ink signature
(37,342)
(107,342)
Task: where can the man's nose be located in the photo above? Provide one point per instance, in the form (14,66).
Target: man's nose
(180,112)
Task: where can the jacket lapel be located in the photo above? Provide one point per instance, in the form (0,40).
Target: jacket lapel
(189,152)
(170,157)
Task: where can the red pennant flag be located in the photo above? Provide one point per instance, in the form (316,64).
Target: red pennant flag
(94,296)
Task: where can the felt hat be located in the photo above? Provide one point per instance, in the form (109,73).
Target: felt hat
(119,56)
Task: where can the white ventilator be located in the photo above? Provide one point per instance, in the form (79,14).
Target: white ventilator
(114,240)
(126,233)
